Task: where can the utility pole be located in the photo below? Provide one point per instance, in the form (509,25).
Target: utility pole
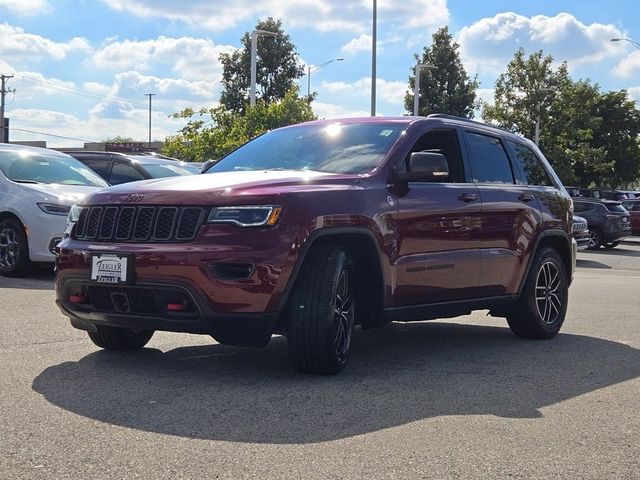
(3,92)
(149,95)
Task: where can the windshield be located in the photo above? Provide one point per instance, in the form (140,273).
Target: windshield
(163,171)
(334,148)
(24,166)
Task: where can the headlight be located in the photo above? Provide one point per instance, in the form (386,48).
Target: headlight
(54,209)
(246,216)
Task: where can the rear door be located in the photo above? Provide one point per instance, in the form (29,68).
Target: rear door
(511,218)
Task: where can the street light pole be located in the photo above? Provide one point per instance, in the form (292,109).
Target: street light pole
(149,95)
(536,136)
(374,41)
(315,69)
(416,90)
(254,61)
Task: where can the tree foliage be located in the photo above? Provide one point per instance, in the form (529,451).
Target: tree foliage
(211,133)
(447,88)
(590,137)
(277,68)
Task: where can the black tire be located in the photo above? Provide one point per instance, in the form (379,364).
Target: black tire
(321,311)
(541,309)
(120,339)
(14,249)
(611,244)
(595,239)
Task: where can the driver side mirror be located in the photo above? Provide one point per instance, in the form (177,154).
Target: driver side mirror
(426,167)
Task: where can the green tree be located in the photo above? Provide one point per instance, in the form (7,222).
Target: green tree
(447,88)
(589,137)
(277,70)
(211,133)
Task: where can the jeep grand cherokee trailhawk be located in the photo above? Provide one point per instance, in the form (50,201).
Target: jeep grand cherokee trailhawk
(311,229)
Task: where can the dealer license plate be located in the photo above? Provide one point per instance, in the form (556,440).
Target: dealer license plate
(111,268)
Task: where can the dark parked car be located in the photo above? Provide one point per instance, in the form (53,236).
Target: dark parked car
(308,230)
(608,221)
(580,231)
(633,207)
(117,168)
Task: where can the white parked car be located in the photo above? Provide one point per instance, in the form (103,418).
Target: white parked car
(37,189)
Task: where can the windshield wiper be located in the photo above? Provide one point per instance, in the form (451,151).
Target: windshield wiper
(26,181)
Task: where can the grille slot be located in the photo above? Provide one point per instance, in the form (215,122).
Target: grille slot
(93,223)
(144,222)
(108,223)
(139,224)
(188,224)
(164,224)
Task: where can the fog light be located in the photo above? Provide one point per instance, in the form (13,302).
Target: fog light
(231,271)
(178,306)
(78,298)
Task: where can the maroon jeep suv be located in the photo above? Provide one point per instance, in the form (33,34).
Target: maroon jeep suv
(311,229)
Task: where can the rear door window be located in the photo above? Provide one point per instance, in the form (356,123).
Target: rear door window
(98,165)
(531,169)
(488,159)
(615,208)
(123,173)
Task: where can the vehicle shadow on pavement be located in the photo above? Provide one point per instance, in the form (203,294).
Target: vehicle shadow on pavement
(580,263)
(398,374)
(619,251)
(40,279)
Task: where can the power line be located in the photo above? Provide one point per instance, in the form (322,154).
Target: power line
(87,94)
(53,135)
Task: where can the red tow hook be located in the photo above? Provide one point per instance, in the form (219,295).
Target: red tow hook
(178,306)
(78,298)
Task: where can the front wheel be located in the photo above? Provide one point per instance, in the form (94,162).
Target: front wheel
(541,309)
(14,249)
(595,239)
(120,339)
(320,313)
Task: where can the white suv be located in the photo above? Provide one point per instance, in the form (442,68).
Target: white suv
(37,189)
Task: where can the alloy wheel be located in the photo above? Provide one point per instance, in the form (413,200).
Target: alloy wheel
(548,294)
(343,315)
(9,248)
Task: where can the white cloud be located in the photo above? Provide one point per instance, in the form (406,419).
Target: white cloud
(26,7)
(18,45)
(628,66)
(322,15)
(389,91)
(489,44)
(329,110)
(363,43)
(191,58)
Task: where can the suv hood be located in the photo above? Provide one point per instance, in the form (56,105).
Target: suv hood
(60,194)
(223,187)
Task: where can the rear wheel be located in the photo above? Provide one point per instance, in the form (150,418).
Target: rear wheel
(611,244)
(595,239)
(120,339)
(542,306)
(320,313)
(14,249)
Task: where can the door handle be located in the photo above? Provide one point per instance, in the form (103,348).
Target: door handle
(468,197)
(525,197)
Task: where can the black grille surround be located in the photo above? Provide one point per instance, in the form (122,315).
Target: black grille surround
(139,224)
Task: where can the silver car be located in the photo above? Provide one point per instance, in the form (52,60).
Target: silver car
(37,189)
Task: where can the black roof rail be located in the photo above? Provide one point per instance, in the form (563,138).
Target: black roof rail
(468,120)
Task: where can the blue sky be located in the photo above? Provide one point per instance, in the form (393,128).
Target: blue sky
(82,67)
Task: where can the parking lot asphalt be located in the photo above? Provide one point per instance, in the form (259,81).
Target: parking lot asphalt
(458,398)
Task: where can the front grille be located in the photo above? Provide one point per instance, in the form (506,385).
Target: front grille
(579,227)
(139,224)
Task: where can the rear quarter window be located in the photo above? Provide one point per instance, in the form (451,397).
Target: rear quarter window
(616,208)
